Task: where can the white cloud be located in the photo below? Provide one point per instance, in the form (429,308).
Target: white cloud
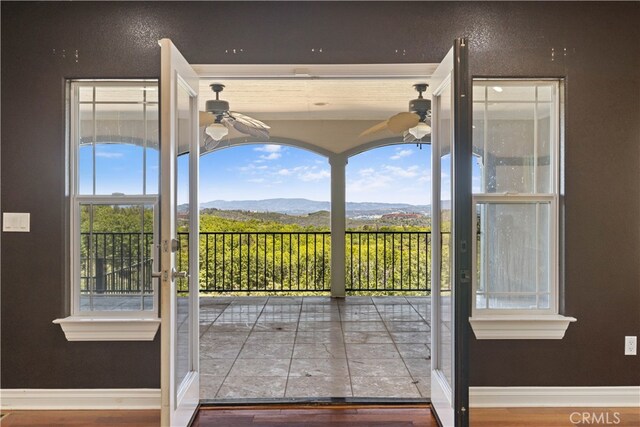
(315,176)
(369,183)
(410,172)
(107,155)
(271,156)
(256,180)
(366,172)
(269,148)
(285,172)
(401,152)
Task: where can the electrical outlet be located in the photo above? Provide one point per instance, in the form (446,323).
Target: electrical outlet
(630,346)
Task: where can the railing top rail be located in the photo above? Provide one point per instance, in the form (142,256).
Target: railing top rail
(388,232)
(261,232)
(116,232)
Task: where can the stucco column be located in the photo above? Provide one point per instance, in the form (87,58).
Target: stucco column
(338,223)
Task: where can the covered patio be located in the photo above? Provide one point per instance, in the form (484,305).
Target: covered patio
(318,347)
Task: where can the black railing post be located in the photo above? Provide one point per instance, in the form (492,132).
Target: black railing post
(101,285)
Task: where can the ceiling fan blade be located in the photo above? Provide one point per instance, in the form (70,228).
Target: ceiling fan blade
(249,121)
(206,118)
(374,129)
(247,130)
(402,121)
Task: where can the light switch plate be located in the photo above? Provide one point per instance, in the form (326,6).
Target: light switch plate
(16,222)
(630,345)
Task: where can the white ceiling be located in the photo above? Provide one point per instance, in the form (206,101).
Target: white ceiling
(316,98)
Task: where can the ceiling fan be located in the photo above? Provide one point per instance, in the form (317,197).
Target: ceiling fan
(218,119)
(414,125)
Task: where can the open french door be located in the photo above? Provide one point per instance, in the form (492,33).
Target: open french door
(451,237)
(179,229)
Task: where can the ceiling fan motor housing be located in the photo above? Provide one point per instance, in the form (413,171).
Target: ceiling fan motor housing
(420,106)
(217,106)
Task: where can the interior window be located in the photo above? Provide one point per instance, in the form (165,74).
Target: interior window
(516,141)
(114,192)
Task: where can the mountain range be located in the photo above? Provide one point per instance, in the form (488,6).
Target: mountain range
(305,206)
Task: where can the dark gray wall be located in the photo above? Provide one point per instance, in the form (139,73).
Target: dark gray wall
(602,70)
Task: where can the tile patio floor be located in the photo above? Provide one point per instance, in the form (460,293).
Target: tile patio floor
(277,347)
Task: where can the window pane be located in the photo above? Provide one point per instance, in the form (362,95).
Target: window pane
(120,133)
(546,92)
(546,136)
(505,92)
(445,116)
(119,93)
(85,150)
(85,93)
(183,172)
(151,92)
(513,133)
(116,247)
(514,257)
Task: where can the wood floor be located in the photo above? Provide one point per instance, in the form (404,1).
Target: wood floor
(342,416)
(324,416)
(80,418)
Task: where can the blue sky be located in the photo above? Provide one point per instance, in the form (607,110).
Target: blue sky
(392,174)
(387,174)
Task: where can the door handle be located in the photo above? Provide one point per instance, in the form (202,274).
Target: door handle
(156,274)
(178,274)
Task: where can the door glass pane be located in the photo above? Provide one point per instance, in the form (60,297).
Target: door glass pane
(116,257)
(152,149)
(183,320)
(514,260)
(445,117)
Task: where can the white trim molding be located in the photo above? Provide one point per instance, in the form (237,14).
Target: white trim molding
(511,397)
(520,327)
(309,71)
(60,399)
(80,328)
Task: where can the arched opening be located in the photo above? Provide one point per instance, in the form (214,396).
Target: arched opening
(264,219)
(388,220)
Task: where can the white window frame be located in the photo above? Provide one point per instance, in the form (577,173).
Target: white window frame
(104,325)
(489,323)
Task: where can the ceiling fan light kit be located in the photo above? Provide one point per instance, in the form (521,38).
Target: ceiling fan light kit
(420,130)
(217,131)
(218,119)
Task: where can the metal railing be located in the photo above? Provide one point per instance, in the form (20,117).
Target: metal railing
(264,261)
(116,263)
(270,262)
(388,261)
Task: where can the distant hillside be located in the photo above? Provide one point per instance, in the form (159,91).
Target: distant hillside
(238,220)
(306,206)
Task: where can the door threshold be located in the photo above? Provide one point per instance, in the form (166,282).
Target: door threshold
(313,402)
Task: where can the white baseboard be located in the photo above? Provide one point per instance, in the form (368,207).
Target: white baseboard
(505,397)
(480,397)
(26,399)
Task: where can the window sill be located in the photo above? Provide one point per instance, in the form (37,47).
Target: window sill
(520,327)
(81,328)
